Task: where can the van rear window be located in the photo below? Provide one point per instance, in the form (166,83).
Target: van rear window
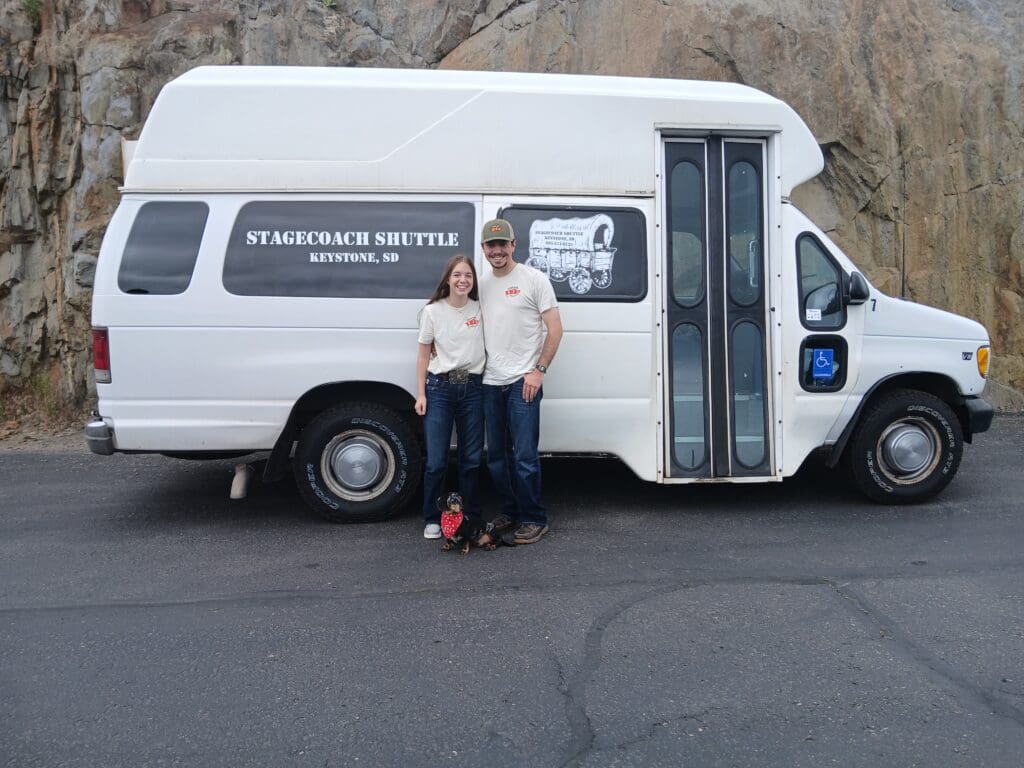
(345,249)
(162,248)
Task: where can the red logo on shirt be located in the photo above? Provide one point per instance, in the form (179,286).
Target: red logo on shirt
(472,322)
(513,291)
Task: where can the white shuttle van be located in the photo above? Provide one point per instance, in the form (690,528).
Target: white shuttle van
(279,229)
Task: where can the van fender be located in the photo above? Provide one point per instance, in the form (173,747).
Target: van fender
(325,396)
(936,384)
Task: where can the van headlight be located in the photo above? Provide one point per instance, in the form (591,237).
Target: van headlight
(982,358)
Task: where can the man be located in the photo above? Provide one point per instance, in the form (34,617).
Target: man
(522,331)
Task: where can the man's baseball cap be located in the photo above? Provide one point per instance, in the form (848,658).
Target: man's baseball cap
(497,229)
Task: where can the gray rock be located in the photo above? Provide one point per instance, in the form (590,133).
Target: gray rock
(918,105)
(84,269)
(8,366)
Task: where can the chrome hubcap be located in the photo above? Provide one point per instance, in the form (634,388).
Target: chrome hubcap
(908,450)
(357,465)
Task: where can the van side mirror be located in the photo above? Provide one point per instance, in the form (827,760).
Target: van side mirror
(859,290)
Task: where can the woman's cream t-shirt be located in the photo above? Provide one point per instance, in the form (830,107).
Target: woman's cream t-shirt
(457,335)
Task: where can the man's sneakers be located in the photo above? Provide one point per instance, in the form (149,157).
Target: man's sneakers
(432,531)
(529,533)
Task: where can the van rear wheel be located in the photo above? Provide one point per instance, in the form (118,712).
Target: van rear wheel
(906,448)
(357,463)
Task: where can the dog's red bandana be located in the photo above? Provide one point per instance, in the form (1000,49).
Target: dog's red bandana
(450,522)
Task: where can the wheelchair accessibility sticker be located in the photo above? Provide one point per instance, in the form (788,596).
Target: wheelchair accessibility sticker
(822,367)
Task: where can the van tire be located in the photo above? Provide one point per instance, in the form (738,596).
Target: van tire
(357,463)
(906,448)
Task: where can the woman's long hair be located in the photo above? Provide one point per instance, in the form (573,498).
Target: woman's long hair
(443,290)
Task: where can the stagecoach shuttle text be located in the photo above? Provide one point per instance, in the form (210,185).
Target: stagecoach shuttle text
(350,238)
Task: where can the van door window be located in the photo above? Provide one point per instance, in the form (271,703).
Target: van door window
(743,220)
(687,194)
(588,253)
(689,446)
(162,248)
(821,286)
(748,386)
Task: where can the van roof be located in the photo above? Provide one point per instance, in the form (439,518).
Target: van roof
(237,128)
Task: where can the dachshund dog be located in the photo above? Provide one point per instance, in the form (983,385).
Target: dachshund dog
(459,529)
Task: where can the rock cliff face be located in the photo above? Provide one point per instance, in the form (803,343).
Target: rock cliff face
(917,104)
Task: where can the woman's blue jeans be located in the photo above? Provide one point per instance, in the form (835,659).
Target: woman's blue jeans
(513,436)
(461,406)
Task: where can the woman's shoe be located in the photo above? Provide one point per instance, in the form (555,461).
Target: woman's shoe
(432,531)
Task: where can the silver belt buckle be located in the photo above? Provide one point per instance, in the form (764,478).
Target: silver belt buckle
(458,376)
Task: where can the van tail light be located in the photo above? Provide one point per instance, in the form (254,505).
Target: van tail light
(101,355)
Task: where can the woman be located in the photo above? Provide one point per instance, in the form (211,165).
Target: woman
(449,365)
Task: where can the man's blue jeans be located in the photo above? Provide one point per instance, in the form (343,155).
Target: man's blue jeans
(513,434)
(460,405)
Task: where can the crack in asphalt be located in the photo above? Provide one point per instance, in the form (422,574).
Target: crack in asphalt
(575,709)
(582,741)
(940,671)
(687,580)
(652,728)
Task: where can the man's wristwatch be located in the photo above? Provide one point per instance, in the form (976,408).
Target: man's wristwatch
(542,368)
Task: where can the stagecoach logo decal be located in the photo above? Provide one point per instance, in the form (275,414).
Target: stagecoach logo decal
(575,250)
(513,291)
(472,322)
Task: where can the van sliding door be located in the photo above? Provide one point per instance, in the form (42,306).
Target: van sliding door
(715,308)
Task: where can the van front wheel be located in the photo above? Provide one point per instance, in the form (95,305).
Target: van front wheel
(357,463)
(906,448)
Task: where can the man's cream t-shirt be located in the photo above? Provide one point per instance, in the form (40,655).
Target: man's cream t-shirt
(457,335)
(515,332)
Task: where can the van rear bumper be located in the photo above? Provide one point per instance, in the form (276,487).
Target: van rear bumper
(99,437)
(979,414)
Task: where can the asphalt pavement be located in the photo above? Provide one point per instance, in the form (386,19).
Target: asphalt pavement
(146,620)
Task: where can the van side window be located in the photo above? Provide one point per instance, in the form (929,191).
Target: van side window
(588,253)
(821,286)
(162,248)
(345,249)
